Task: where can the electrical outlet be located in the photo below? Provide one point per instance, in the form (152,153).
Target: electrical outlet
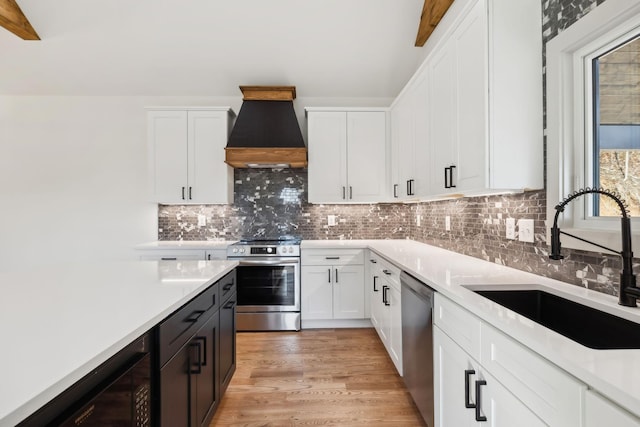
(202,220)
(331,220)
(511,228)
(418,220)
(525,230)
(447,223)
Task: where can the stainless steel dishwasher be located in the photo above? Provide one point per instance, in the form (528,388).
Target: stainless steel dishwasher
(417,343)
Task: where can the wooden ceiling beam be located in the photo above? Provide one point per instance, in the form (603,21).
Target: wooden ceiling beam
(432,13)
(12,18)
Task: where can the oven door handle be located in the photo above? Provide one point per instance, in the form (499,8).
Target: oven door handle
(268,261)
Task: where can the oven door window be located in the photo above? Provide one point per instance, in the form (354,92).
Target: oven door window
(266,285)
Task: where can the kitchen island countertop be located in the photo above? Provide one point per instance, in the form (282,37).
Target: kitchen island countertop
(58,323)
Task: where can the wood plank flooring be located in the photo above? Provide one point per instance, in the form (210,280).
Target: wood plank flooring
(328,377)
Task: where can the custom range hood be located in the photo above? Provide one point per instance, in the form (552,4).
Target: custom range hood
(266,133)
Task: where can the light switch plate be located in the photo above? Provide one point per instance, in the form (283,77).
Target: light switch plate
(525,230)
(331,220)
(447,223)
(202,220)
(511,228)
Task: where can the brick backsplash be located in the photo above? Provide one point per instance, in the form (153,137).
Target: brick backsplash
(273,202)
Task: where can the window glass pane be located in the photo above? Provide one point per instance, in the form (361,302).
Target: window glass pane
(616,155)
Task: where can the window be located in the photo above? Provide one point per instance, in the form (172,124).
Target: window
(593,121)
(615,147)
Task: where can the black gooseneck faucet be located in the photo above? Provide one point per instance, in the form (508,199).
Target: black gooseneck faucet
(629,292)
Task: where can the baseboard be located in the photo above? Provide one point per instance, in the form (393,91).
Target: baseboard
(336,323)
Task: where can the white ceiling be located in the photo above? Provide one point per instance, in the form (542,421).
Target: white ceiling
(326,48)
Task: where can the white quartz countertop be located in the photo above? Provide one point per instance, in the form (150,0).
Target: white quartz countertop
(185,244)
(614,373)
(59,323)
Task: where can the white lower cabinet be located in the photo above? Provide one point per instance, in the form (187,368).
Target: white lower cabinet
(386,308)
(601,412)
(466,394)
(481,373)
(332,284)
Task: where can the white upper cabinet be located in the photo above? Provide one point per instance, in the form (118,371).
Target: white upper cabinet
(410,145)
(483,121)
(347,155)
(186,155)
(441,117)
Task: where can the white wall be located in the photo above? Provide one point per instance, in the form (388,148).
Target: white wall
(73,177)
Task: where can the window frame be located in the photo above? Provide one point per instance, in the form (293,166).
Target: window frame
(570,120)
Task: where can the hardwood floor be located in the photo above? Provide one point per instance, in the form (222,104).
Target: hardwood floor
(332,377)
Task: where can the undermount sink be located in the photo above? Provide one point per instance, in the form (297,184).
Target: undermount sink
(585,325)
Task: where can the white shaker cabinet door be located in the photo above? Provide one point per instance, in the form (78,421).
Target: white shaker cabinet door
(316,293)
(167,133)
(442,121)
(348,292)
(470,47)
(366,154)
(327,168)
(210,179)
(451,364)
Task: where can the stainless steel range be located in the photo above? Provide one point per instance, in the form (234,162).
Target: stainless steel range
(268,284)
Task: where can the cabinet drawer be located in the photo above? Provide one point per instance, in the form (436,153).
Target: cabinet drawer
(178,328)
(551,393)
(332,257)
(227,286)
(460,325)
(390,272)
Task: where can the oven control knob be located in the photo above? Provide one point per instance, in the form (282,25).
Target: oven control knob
(241,250)
(235,250)
(269,250)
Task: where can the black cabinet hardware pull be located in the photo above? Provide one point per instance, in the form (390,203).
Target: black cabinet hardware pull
(467,374)
(229,305)
(336,275)
(182,193)
(193,317)
(344,193)
(350,192)
(374,283)
(373,261)
(204,350)
(208,257)
(227,286)
(332,257)
(395,190)
(410,187)
(189,193)
(198,364)
(451,168)
(387,272)
(479,384)
(384,295)
(168,258)
(329,271)
(446,178)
